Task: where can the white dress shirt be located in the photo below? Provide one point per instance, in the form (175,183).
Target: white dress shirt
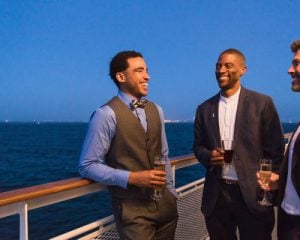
(227,116)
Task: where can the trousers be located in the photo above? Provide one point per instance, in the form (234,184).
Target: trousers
(288,226)
(146,219)
(231,213)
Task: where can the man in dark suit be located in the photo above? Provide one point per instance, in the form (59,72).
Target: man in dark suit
(289,181)
(251,121)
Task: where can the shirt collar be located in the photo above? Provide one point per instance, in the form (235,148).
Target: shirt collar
(234,97)
(125,98)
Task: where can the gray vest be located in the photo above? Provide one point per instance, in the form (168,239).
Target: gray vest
(132,148)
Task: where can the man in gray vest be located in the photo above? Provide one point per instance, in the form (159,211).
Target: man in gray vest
(123,138)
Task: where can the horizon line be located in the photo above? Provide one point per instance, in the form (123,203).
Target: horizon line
(85,121)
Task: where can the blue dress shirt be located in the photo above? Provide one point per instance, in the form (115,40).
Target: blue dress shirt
(101,130)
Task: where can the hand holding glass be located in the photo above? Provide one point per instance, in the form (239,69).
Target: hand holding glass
(159,164)
(265,172)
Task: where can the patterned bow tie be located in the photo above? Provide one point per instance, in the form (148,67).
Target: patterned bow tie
(139,103)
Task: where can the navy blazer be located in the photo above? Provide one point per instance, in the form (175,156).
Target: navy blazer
(257,133)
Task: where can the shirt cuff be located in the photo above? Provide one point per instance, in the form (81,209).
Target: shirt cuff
(122,178)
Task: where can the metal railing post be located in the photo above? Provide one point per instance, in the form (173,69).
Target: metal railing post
(23,219)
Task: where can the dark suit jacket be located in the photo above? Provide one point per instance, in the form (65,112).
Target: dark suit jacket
(257,134)
(295,170)
(282,183)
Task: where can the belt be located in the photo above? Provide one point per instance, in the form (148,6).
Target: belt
(230,181)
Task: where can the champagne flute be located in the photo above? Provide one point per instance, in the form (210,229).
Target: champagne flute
(159,164)
(265,172)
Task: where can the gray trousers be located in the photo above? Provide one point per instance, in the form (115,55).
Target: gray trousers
(146,219)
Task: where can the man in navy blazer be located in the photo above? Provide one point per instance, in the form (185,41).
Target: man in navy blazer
(289,181)
(251,121)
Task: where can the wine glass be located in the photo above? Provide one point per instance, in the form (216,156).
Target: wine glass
(159,164)
(227,147)
(265,172)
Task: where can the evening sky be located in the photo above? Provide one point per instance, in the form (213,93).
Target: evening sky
(54,55)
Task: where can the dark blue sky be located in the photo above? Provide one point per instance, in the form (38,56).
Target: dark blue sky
(54,55)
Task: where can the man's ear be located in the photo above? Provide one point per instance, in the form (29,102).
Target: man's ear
(120,77)
(243,70)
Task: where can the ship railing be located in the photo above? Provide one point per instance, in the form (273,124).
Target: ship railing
(22,201)
(191,223)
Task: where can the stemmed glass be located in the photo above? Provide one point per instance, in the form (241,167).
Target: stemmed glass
(265,172)
(159,164)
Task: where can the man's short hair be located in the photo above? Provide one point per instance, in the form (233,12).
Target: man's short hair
(235,52)
(119,63)
(295,46)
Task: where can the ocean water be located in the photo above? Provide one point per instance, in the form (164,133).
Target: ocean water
(32,154)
